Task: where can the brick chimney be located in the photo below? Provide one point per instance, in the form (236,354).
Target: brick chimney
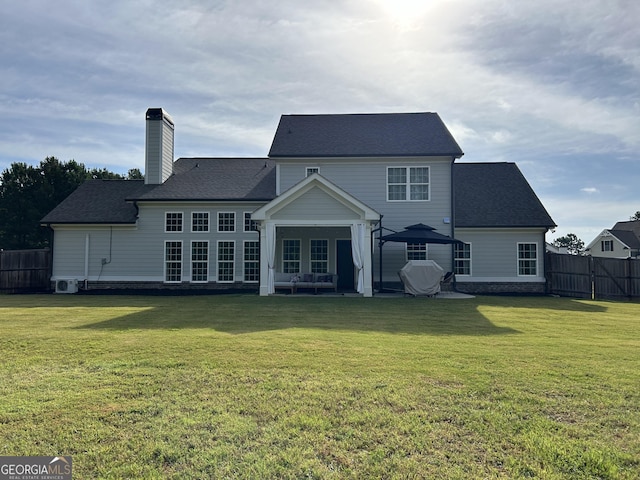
(158,164)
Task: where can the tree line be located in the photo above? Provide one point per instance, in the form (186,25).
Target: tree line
(28,193)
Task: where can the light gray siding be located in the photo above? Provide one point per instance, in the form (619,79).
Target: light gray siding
(136,253)
(159,151)
(305,235)
(494,253)
(315,205)
(366,179)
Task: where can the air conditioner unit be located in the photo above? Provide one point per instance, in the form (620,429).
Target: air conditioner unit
(67,285)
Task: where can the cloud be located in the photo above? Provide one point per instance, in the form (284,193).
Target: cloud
(549,85)
(590,190)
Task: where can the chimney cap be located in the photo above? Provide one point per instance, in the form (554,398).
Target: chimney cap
(159,114)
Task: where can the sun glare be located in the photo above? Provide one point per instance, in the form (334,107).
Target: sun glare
(406,14)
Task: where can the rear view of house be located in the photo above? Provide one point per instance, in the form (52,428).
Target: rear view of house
(312,212)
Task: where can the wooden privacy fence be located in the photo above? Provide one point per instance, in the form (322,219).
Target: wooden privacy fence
(593,277)
(23,271)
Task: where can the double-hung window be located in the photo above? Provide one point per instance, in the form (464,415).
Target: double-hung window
(607,245)
(291,256)
(311,170)
(199,261)
(319,256)
(416,251)
(173,222)
(462,259)
(226,261)
(407,184)
(173,261)
(251,261)
(527,259)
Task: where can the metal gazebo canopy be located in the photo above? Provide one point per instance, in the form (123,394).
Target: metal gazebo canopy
(418,233)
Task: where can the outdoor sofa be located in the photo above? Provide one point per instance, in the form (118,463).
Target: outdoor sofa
(315,281)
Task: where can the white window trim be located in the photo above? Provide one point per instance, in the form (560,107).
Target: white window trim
(208,222)
(192,261)
(164,258)
(244,224)
(311,170)
(235,220)
(470,274)
(406,250)
(282,260)
(518,259)
(408,184)
(165,222)
(244,260)
(310,252)
(233,275)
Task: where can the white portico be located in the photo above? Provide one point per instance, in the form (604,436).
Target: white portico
(316,210)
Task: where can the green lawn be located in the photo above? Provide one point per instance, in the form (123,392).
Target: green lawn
(240,386)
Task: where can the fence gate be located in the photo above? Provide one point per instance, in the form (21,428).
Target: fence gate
(593,277)
(23,271)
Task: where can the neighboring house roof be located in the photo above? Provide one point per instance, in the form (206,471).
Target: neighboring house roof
(627,237)
(632,225)
(363,135)
(211,179)
(496,195)
(627,233)
(99,201)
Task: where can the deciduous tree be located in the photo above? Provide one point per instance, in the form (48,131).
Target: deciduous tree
(28,193)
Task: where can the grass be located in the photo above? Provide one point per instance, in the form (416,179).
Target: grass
(316,387)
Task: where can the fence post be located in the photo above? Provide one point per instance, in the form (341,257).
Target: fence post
(592,271)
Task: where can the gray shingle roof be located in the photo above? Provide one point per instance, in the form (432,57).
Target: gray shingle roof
(496,195)
(363,135)
(631,225)
(99,201)
(627,237)
(216,179)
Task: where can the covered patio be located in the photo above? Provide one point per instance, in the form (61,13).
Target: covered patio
(316,228)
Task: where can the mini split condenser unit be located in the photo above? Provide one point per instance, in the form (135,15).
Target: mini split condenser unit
(67,285)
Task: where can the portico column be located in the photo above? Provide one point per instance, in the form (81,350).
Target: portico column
(368,257)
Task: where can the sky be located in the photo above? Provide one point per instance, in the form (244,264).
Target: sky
(552,86)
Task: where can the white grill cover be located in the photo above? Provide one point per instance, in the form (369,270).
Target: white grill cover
(421,277)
